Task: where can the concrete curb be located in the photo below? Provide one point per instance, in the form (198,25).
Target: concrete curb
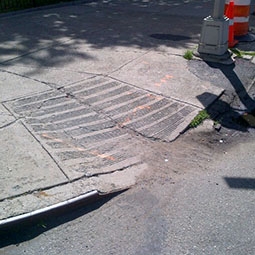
(92,195)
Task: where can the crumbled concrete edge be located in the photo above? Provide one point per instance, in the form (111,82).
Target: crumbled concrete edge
(41,201)
(183,127)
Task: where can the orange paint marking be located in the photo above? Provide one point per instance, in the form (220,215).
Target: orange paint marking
(155,96)
(163,80)
(141,107)
(95,152)
(61,141)
(41,194)
(125,122)
(52,138)
(102,155)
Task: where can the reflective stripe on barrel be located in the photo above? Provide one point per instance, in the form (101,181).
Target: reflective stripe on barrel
(241,16)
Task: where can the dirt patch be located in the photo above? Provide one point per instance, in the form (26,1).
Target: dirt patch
(192,151)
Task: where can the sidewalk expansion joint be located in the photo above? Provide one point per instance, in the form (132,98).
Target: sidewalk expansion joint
(83,177)
(127,63)
(88,176)
(60,168)
(11,114)
(9,124)
(27,77)
(29,192)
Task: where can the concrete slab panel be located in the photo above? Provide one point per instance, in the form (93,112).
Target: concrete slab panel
(14,86)
(24,164)
(56,56)
(42,199)
(82,61)
(28,203)
(167,75)
(106,61)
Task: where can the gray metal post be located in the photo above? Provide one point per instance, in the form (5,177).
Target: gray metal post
(218,10)
(214,35)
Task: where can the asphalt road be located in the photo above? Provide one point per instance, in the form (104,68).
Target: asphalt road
(197,198)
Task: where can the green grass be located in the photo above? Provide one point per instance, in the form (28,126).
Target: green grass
(241,53)
(188,54)
(15,5)
(201,116)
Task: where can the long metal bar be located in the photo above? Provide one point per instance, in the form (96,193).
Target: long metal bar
(218,10)
(25,216)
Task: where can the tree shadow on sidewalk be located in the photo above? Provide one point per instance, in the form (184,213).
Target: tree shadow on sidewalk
(57,37)
(230,108)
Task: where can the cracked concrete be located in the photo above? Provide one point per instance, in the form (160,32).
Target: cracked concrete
(23,76)
(84,96)
(16,174)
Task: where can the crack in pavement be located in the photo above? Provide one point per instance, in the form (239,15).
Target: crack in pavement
(27,77)
(128,62)
(9,124)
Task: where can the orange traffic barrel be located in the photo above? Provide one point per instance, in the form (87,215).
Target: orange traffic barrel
(241,16)
(230,14)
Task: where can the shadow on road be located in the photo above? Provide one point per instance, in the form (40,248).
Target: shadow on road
(28,229)
(232,106)
(240,183)
(230,74)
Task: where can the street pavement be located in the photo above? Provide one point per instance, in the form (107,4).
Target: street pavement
(82,86)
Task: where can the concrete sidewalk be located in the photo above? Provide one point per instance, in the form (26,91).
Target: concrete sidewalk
(83,86)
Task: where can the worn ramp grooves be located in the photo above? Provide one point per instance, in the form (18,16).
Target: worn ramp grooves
(82,142)
(151,115)
(81,126)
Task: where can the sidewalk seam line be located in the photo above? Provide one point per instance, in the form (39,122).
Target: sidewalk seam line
(153,92)
(128,62)
(46,152)
(27,77)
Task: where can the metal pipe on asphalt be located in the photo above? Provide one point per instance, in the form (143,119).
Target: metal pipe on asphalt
(26,216)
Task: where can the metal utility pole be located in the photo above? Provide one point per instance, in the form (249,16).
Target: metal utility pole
(214,35)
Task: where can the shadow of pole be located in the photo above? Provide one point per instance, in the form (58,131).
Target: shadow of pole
(240,183)
(240,90)
(233,107)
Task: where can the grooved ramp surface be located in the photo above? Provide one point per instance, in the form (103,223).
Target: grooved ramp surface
(87,127)
(149,114)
